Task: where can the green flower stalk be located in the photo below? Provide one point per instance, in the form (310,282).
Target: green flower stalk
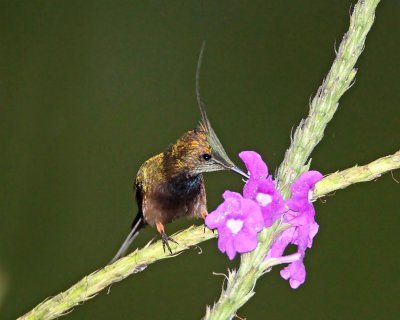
(95,282)
(325,103)
(371,171)
(307,135)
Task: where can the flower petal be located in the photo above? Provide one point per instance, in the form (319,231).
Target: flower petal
(295,273)
(230,249)
(216,218)
(280,244)
(253,216)
(246,241)
(250,189)
(305,183)
(254,164)
(232,201)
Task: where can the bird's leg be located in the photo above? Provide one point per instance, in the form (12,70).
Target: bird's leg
(164,237)
(204,215)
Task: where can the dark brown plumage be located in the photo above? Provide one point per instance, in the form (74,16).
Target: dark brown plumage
(170,185)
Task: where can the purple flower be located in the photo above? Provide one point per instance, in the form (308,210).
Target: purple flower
(300,216)
(295,272)
(238,221)
(261,188)
(239,218)
(280,244)
(303,187)
(254,164)
(301,211)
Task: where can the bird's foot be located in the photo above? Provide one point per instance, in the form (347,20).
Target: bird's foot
(204,228)
(165,238)
(204,215)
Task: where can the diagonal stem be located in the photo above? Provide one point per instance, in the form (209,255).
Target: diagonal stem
(307,135)
(342,179)
(325,103)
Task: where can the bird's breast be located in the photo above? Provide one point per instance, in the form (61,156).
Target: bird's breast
(177,197)
(184,187)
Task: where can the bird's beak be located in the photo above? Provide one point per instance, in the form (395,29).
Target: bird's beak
(237,170)
(223,161)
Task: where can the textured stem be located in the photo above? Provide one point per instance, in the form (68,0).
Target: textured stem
(307,135)
(323,106)
(137,261)
(240,284)
(342,179)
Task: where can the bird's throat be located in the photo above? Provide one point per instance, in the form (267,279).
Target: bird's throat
(185,186)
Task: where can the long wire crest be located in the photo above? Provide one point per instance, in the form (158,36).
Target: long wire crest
(205,122)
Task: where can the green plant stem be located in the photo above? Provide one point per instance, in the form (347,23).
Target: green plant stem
(240,284)
(307,135)
(323,106)
(137,261)
(342,179)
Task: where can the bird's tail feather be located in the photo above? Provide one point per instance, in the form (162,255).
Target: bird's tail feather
(136,226)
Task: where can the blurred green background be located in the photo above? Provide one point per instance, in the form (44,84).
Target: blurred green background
(90,89)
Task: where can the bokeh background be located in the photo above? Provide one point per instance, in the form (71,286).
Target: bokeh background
(90,89)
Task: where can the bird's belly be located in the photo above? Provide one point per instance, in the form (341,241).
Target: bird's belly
(166,210)
(181,196)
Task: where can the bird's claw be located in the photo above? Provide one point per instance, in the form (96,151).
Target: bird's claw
(204,228)
(165,238)
(204,216)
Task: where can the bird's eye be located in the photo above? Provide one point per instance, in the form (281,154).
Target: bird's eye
(206,156)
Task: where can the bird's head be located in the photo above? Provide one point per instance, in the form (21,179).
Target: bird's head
(199,151)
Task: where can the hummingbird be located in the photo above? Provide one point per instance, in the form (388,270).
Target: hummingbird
(170,185)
